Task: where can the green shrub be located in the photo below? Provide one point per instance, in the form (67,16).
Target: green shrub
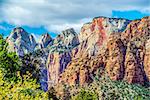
(118,90)
(85,95)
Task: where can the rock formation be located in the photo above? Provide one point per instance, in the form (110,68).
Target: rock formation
(94,35)
(23,43)
(117,47)
(135,37)
(60,53)
(116,57)
(147,58)
(45,41)
(123,56)
(20,41)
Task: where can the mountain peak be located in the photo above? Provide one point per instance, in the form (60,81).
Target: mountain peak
(19,30)
(45,40)
(70,32)
(45,34)
(20,41)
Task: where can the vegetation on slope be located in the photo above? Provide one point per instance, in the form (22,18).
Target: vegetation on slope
(17,83)
(14,84)
(105,89)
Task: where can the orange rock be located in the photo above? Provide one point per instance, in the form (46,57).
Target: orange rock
(147,59)
(115,61)
(123,55)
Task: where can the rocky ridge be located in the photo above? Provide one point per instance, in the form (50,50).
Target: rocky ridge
(124,57)
(20,41)
(45,41)
(60,53)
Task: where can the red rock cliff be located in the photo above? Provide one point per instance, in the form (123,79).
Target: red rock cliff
(124,55)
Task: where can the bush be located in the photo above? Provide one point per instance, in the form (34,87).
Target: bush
(26,90)
(85,95)
(118,90)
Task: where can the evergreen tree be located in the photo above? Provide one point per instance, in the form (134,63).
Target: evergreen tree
(9,62)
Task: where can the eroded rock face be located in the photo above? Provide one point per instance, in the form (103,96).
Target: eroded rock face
(134,62)
(93,38)
(94,35)
(20,41)
(23,43)
(124,55)
(60,53)
(45,41)
(41,57)
(42,49)
(81,71)
(136,39)
(147,59)
(57,64)
(67,38)
(116,57)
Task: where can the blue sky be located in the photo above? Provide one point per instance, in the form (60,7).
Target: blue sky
(6,28)
(53,16)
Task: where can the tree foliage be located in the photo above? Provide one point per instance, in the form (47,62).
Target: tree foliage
(85,95)
(9,62)
(26,90)
(31,65)
(18,77)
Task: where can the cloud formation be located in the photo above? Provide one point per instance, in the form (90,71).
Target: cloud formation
(56,15)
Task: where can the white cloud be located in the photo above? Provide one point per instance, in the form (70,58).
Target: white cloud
(146,10)
(57,28)
(57,15)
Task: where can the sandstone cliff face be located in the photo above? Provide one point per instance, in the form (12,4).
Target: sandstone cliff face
(94,35)
(57,64)
(116,57)
(20,41)
(81,71)
(135,37)
(42,50)
(134,62)
(125,56)
(147,58)
(60,53)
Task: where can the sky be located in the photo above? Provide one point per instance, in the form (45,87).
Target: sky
(53,16)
